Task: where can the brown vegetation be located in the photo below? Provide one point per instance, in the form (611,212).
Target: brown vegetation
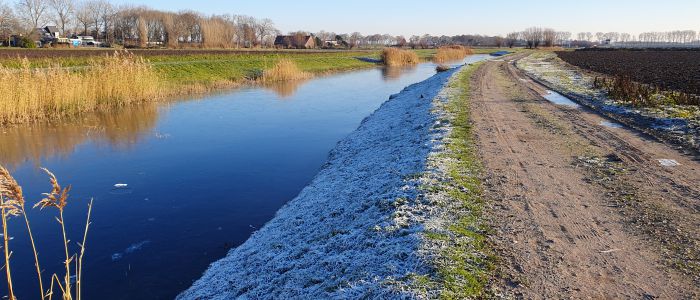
(624,89)
(398,57)
(55,92)
(12,204)
(452,53)
(284,70)
(442,68)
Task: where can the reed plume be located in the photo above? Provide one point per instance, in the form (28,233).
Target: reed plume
(12,203)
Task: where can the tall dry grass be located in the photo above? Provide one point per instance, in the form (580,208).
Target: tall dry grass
(284,70)
(452,53)
(397,57)
(52,93)
(12,204)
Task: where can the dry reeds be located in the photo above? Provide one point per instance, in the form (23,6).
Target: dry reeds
(12,204)
(55,92)
(622,88)
(452,53)
(442,68)
(397,57)
(284,70)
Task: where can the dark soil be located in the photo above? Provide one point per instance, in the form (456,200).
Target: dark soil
(669,70)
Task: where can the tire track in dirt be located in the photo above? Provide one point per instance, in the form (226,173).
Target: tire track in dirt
(556,226)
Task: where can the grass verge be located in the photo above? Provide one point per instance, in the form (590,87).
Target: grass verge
(463,262)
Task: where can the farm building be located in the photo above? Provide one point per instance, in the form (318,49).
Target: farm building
(295,41)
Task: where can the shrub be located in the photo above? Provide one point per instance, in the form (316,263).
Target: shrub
(397,57)
(28,43)
(442,68)
(451,53)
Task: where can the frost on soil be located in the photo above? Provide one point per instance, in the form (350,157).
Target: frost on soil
(356,231)
(674,123)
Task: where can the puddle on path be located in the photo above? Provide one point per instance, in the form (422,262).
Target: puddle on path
(669,162)
(557,98)
(611,124)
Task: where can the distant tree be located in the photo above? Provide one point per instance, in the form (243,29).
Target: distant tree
(413,41)
(498,41)
(63,11)
(264,28)
(401,41)
(83,14)
(563,37)
(8,22)
(32,12)
(549,37)
(533,36)
(354,39)
(512,39)
(600,36)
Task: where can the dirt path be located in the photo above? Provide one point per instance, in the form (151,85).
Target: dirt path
(582,210)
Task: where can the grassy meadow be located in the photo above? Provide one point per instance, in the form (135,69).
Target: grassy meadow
(47,88)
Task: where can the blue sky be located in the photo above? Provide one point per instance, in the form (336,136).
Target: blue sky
(452,17)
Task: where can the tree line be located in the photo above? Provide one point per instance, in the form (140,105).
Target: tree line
(136,26)
(534,37)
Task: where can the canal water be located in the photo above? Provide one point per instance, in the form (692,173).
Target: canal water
(176,185)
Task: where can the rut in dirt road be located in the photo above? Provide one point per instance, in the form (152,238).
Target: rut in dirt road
(579,209)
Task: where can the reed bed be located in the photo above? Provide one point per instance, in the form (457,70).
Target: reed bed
(394,57)
(284,70)
(452,53)
(56,92)
(13,204)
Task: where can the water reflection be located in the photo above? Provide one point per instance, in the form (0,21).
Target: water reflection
(285,89)
(35,142)
(395,73)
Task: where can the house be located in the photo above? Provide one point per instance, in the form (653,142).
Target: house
(295,41)
(52,31)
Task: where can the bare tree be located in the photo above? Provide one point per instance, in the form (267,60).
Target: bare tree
(549,36)
(264,28)
(63,9)
(498,41)
(599,36)
(83,14)
(533,36)
(8,22)
(32,12)
(354,39)
(512,39)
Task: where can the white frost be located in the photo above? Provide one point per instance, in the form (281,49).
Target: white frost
(344,236)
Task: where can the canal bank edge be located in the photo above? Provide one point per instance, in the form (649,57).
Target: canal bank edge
(395,212)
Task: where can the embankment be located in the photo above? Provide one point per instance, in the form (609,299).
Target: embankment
(379,220)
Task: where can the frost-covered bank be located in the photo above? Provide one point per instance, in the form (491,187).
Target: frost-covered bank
(364,227)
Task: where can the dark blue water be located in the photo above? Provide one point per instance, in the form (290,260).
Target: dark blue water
(201,176)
